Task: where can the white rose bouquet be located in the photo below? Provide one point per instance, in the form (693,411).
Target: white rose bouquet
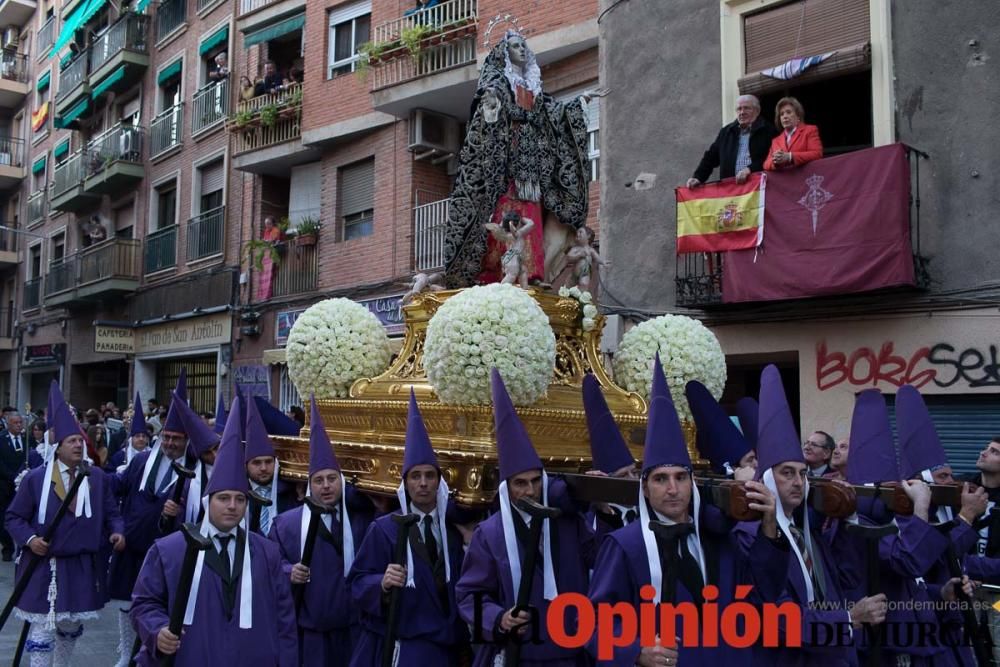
(688,351)
(484,327)
(334,343)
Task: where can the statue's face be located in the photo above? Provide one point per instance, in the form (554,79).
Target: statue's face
(517,51)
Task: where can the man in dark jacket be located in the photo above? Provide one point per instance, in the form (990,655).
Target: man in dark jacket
(741,146)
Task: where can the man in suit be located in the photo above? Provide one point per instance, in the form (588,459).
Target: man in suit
(15,456)
(740,147)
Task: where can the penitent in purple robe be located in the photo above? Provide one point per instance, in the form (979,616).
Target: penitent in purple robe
(215,637)
(486,590)
(429,632)
(76,545)
(327,620)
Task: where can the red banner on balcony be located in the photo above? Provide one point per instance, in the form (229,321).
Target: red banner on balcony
(721,216)
(834,226)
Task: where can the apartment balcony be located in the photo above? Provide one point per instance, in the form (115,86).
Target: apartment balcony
(257,14)
(31,298)
(68,192)
(7,328)
(210,106)
(429,222)
(170,15)
(120,56)
(267,135)
(114,161)
(441,76)
(297,271)
(13,79)
(38,207)
(161,250)
(61,281)
(206,234)
(73,95)
(16,12)
(107,270)
(166,131)
(8,247)
(12,169)
(46,38)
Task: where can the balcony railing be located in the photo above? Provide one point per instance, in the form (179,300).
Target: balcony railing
(114,258)
(297,271)
(47,36)
(11,152)
(32,297)
(445,15)
(68,175)
(7,322)
(247,6)
(166,130)
(211,105)
(37,207)
(14,67)
(131,33)
(256,130)
(169,16)
(205,234)
(161,249)
(74,74)
(429,222)
(121,143)
(62,275)
(433,59)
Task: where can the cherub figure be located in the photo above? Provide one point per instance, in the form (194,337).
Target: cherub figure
(581,256)
(513,231)
(424,282)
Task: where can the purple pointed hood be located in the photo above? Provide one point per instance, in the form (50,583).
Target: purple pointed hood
(62,420)
(230,471)
(55,397)
(418,449)
(607,446)
(321,454)
(872,456)
(515,452)
(220,416)
(174,422)
(138,419)
(746,412)
(275,421)
(777,439)
(201,438)
(718,438)
(665,444)
(920,446)
(257,443)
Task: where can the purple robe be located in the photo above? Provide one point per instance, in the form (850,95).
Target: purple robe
(622,568)
(76,545)
(429,632)
(486,583)
(212,638)
(328,622)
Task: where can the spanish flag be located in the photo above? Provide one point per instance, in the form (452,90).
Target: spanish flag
(721,216)
(38,118)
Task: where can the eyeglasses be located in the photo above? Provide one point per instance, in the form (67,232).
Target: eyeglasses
(813,445)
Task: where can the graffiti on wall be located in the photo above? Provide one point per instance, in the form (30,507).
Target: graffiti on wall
(941,365)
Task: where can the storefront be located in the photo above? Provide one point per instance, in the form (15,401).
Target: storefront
(99,364)
(40,365)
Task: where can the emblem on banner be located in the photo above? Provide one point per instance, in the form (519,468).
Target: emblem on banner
(729,217)
(815,198)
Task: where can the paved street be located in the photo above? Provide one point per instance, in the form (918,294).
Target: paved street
(97,646)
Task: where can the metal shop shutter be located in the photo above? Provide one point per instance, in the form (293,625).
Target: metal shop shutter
(357,188)
(965,424)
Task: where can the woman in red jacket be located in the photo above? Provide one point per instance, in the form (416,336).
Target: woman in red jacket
(797,142)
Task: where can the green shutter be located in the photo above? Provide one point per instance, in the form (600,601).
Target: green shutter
(169,72)
(220,37)
(107,82)
(65,60)
(74,22)
(43,81)
(61,150)
(275,30)
(141,6)
(38,166)
(73,114)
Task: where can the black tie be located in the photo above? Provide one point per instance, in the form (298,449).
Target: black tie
(227,564)
(17,443)
(690,573)
(630,516)
(429,541)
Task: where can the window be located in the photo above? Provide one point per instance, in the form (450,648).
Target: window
(213,180)
(35,261)
(592,113)
(58,246)
(357,199)
(129,112)
(350,27)
(166,205)
(304,193)
(288,395)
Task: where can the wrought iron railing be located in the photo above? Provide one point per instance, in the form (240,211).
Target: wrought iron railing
(205,234)
(32,296)
(130,33)
(68,174)
(114,258)
(46,36)
(121,143)
(170,14)
(429,222)
(267,120)
(37,207)
(166,130)
(161,249)
(297,271)
(211,105)
(11,152)
(14,66)
(432,59)
(74,74)
(247,6)
(61,276)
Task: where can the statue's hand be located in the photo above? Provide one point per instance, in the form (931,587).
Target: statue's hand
(491,106)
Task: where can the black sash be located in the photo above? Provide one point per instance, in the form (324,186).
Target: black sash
(521,530)
(440,582)
(230,581)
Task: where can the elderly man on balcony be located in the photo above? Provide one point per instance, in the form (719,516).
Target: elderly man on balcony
(740,147)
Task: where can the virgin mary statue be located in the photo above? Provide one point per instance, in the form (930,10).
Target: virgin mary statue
(523,152)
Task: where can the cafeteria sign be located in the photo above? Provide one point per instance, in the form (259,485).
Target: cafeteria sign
(114,340)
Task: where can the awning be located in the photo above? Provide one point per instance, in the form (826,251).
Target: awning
(275,30)
(74,22)
(43,81)
(73,114)
(107,82)
(141,5)
(38,166)
(169,72)
(220,37)
(61,150)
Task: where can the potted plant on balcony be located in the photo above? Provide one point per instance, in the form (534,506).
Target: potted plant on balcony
(241,119)
(269,115)
(306,231)
(413,37)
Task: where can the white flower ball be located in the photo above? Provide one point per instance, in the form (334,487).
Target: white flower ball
(688,351)
(333,344)
(513,335)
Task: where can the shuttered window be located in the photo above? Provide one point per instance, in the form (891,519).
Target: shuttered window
(965,425)
(213,177)
(357,199)
(304,193)
(803,28)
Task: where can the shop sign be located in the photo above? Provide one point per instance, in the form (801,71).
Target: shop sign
(286,318)
(253,380)
(45,355)
(389,311)
(114,340)
(192,333)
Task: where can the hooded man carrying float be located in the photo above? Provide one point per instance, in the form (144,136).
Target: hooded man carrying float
(727,449)
(263,470)
(240,609)
(679,569)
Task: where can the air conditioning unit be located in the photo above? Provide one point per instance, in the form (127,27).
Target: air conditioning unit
(433,133)
(11,37)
